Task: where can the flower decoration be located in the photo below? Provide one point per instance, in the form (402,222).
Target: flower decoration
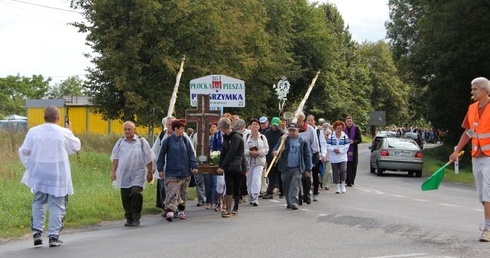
(215,156)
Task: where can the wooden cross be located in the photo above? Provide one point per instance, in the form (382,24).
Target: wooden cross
(203,117)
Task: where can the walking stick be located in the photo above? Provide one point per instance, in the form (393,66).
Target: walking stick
(280,149)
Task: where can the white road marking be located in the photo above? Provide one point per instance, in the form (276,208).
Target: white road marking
(396,195)
(401,255)
(448,205)
(421,200)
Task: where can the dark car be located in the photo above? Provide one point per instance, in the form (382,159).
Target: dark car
(397,154)
(380,135)
(416,137)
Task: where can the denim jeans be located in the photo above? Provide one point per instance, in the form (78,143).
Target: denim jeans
(210,188)
(199,178)
(57,211)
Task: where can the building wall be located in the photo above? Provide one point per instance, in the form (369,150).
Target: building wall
(83,120)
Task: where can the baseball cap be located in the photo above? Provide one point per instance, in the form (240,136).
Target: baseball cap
(275,121)
(292,126)
(262,119)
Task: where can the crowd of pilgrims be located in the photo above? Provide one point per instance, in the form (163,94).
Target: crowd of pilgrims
(333,162)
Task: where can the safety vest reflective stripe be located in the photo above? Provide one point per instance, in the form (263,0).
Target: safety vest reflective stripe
(480,124)
(483,135)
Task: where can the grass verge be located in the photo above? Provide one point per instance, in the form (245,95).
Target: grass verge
(95,199)
(434,158)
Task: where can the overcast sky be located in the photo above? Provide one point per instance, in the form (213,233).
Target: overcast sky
(38,40)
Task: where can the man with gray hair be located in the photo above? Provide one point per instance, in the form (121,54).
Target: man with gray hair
(44,154)
(477,128)
(307,132)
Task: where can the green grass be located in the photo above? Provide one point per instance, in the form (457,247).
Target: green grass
(95,199)
(435,158)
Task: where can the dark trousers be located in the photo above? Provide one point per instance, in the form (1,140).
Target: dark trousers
(161,194)
(233,182)
(274,181)
(210,188)
(315,172)
(132,201)
(243,186)
(306,183)
(351,172)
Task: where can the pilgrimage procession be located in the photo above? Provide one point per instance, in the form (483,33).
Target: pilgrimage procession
(260,128)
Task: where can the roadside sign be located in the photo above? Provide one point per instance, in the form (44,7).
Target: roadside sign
(377,118)
(223,91)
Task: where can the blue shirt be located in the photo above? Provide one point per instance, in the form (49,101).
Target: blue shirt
(293,154)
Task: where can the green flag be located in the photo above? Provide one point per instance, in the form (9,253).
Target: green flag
(433,182)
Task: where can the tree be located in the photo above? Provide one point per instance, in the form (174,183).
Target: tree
(139,45)
(15,90)
(443,54)
(72,86)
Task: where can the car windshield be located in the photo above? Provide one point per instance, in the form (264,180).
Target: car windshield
(411,135)
(395,143)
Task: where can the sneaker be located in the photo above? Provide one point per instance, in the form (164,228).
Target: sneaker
(182,215)
(217,207)
(294,208)
(234,212)
(135,223)
(129,223)
(170,216)
(226,214)
(37,238)
(307,199)
(315,198)
(255,204)
(268,196)
(342,188)
(485,235)
(54,241)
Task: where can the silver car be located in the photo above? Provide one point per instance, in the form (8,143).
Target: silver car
(397,154)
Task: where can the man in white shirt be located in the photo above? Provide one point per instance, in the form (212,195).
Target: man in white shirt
(44,154)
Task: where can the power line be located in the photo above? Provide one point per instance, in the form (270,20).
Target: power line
(45,6)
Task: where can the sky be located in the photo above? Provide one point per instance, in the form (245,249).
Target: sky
(39,40)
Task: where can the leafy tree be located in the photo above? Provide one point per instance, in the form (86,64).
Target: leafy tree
(445,52)
(72,86)
(389,93)
(139,45)
(348,87)
(15,90)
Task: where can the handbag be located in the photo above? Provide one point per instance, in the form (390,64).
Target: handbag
(235,166)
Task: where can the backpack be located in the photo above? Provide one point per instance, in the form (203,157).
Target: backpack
(248,136)
(142,148)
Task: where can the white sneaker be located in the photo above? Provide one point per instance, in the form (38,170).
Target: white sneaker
(485,235)
(315,198)
(338,189)
(342,188)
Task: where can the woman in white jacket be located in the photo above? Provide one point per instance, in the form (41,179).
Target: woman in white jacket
(338,144)
(256,147)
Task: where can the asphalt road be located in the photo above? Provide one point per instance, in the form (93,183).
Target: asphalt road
(384,217)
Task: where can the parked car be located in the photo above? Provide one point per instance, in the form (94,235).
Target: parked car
(397,154)
(416,137)
(380,135)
